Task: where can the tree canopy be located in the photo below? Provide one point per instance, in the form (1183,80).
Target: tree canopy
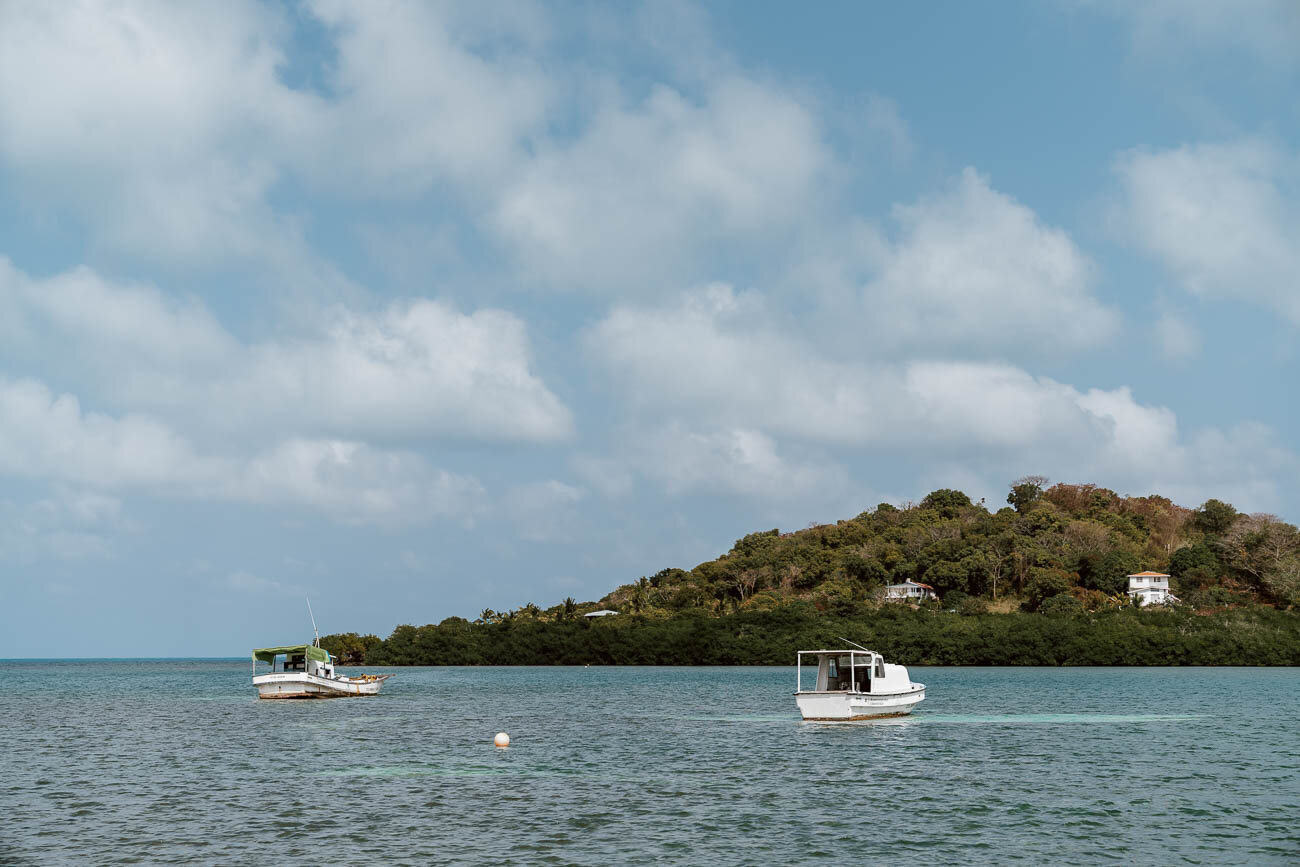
(1063,551)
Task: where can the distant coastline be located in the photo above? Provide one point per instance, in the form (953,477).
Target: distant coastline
(1044,580)
(913,637)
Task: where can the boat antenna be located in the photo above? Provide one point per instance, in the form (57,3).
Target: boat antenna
(316,643)
(858,646)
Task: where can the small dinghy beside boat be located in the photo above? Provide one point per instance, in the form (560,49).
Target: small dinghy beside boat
(854,685)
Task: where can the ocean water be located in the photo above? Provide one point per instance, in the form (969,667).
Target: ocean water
(176,761)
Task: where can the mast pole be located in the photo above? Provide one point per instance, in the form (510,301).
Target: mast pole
(313,623)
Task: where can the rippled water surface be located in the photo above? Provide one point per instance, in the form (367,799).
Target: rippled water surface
(177,761)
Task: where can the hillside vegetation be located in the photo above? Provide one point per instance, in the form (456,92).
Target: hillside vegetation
(1040,581)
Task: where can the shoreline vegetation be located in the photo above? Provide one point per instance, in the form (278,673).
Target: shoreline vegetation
(1041,581)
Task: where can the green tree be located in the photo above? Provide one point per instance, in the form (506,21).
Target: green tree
(1044,584)
(1214,518)
(946,501)
(1109,573)
(1061,603)
(1193,557)
(1025,492)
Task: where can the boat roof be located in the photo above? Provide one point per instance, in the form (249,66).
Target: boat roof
(843,650)
(311,651)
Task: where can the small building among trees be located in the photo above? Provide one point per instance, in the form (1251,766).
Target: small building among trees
(1150,588)
(909,591)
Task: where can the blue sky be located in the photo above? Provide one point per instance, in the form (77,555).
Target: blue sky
(430,308)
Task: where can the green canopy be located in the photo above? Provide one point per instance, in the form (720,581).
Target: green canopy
(268,654)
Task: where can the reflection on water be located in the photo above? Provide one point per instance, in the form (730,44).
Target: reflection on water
(176,761)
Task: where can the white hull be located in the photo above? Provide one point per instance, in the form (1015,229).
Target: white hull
(298,684)
(841,705)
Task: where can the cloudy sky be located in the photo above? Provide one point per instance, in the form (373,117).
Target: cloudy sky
(427,308)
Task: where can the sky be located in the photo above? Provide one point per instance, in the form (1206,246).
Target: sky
(423,309)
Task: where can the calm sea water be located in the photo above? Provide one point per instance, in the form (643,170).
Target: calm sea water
(176,761)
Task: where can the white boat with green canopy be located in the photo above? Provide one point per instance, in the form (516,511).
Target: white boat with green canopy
(307,671)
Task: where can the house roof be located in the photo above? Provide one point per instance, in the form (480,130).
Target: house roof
(604,612)
(1148,575)
(910,583)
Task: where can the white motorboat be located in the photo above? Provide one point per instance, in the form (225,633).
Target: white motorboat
(854,685)
(307,671)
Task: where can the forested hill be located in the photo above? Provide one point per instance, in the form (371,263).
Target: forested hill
(1061,552)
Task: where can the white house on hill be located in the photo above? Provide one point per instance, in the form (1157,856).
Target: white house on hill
(1150,588)
(909,590)
(604,612)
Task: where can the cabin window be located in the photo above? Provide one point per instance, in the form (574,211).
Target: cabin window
(831,669)
(880,668)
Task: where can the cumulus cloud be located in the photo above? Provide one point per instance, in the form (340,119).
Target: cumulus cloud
(421,97)
(729,461)
(354,483)
(974,268)
(153,122)
(637,194)
(1222,218)
(738,395)
(48,436)
(45,435)
(717,357)
(417,368)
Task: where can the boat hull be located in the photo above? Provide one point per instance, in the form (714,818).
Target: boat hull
(291,685)
(850,706)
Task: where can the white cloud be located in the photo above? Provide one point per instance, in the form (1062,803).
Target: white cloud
(718,358)
(644,188)
(415,369)
(68,524)
(1222,218)
(354,483)
(115,323)
(741,391)
(418,368)
(417,105)
(47,436)
(728,461)
(156,123)
(974,268)
(1262,29)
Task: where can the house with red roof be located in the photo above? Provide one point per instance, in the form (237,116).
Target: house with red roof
(909,591)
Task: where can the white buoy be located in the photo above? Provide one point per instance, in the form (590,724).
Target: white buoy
(502,739)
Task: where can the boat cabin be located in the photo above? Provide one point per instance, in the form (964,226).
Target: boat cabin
(295,657)
(862,671)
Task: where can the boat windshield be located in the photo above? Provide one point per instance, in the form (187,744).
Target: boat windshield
(839,671)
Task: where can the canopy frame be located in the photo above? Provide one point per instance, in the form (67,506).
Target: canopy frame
(310,651)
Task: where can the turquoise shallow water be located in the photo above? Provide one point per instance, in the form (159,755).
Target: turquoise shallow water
(176,761)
